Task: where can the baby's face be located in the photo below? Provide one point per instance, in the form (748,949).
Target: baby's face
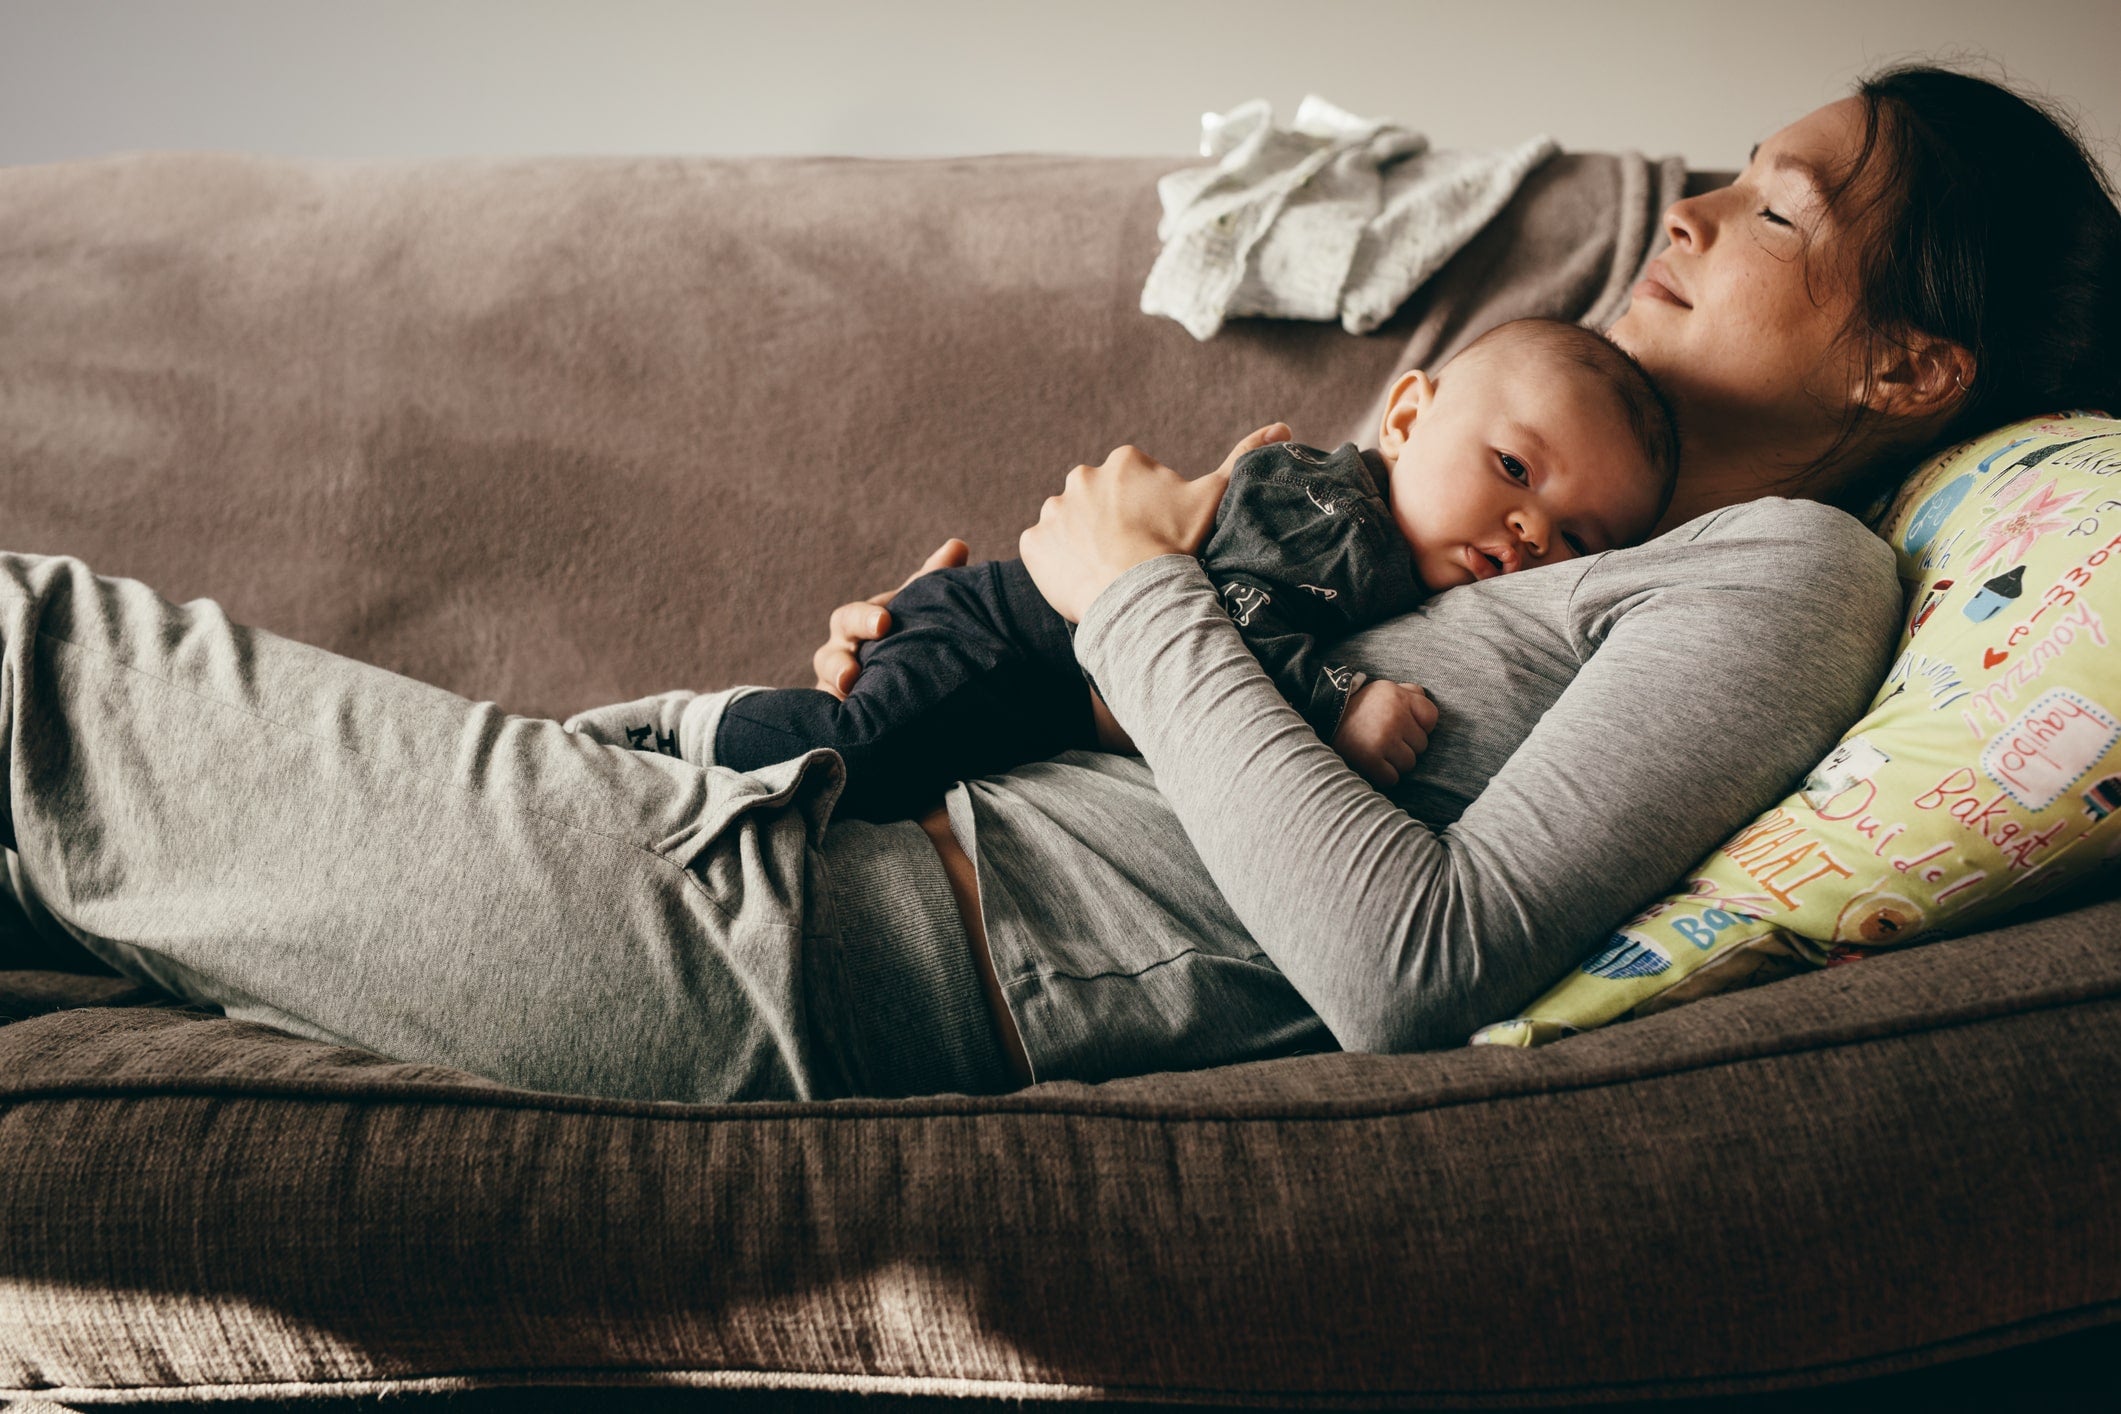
(1510,460)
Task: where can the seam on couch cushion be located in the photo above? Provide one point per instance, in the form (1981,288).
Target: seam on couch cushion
(1021,1103)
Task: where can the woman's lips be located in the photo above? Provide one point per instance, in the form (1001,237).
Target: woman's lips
(1653,285)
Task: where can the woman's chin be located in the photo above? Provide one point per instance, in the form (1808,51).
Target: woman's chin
(1628,330)
(1647,331)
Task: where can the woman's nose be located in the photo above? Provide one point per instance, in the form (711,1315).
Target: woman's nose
(1686,222)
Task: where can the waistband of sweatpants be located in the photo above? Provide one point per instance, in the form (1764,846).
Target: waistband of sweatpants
(920,1014)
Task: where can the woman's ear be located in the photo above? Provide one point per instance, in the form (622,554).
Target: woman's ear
(1408,399)
(1920,377)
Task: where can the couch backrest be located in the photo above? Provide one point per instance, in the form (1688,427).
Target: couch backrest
(554,432)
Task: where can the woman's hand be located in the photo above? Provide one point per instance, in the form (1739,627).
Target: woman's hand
(1251,441)
(1111,517)
(855,624)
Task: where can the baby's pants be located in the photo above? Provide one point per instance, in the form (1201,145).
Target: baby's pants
(977,675)
(342,852)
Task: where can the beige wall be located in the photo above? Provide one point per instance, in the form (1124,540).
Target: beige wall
(419,77)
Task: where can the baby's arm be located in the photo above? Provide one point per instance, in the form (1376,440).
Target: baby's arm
(1303,553)
(1379,727)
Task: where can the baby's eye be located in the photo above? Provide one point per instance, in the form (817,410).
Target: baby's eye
(1514,467)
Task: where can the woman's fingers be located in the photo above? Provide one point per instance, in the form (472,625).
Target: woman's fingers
(1253,441)
(834,663)
(862,620)
(952,553)
(854,624)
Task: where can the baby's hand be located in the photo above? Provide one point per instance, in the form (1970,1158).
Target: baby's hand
(1385,727)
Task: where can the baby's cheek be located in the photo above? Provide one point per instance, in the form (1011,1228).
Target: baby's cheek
(1436,571)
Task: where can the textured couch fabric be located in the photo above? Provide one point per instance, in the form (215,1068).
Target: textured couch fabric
(1793,1182)
(562,432)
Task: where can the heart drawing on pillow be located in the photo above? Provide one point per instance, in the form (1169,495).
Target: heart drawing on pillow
(1986,773)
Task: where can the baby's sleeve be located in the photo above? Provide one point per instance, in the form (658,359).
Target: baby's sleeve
(1302,555)
(1283,632)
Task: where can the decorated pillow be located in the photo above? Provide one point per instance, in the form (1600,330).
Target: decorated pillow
(1986,773)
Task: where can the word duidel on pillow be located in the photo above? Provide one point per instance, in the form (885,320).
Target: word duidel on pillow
(1986,773)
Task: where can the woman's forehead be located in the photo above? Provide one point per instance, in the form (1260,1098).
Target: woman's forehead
(1826,139)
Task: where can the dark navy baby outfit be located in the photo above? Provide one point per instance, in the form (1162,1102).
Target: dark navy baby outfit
(978,674)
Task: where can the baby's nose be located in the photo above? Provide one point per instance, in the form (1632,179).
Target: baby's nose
(1528,537)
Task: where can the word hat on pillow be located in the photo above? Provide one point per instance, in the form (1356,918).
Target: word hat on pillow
(1986,773)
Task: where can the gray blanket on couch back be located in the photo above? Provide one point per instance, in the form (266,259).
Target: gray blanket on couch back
(564,431)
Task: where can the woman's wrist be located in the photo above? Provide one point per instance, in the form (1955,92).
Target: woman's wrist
(1133,580)
(1123,559)
(1106,620)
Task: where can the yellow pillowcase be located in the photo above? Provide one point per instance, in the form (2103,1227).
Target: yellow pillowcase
(1986,773)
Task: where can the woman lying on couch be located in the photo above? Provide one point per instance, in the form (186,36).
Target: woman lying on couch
(1890,274)
(381,863)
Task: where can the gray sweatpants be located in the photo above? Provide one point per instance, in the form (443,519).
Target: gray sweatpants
(343,852)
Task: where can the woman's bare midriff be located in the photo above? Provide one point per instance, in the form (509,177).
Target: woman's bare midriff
(964,886)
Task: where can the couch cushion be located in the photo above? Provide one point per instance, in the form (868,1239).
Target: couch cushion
(1734,1195)
(25,993)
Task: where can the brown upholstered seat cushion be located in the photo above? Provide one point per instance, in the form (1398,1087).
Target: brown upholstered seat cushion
(519,428)
(1910,1160)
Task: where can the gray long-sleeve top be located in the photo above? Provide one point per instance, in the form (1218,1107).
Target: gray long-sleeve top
(1240,892)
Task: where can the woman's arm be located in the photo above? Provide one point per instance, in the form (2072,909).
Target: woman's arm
(1717,672)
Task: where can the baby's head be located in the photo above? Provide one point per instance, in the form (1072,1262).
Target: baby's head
(1539,442)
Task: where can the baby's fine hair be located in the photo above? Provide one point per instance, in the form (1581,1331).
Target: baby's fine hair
(1648,411)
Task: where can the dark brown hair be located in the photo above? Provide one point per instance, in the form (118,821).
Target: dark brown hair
(1994,228)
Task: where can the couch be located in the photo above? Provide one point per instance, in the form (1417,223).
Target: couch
(559,432)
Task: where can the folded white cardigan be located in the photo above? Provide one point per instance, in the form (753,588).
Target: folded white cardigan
(1334,217)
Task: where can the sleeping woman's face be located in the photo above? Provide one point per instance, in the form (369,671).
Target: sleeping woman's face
(1739,319)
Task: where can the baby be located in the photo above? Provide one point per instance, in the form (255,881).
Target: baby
(1541,441)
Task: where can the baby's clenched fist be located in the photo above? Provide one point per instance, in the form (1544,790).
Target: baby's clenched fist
(1384,729)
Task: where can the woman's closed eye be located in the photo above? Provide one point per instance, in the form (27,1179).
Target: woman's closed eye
(1771,218)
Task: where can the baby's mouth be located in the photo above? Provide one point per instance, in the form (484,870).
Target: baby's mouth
(1481,563)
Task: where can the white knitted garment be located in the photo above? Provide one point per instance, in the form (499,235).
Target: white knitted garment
(1333,217)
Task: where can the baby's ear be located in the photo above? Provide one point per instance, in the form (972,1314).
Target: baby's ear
(1407,399)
